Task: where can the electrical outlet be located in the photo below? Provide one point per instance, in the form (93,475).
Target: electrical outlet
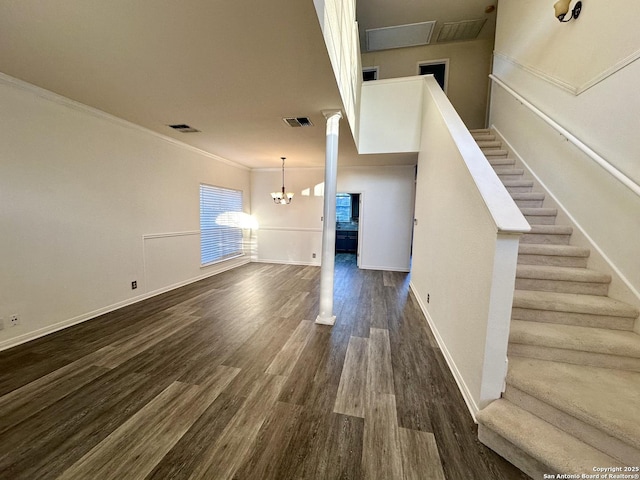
(134,285)
(313,255)
(14,320)
(427,298)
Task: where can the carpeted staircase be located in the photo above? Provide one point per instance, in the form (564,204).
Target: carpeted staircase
(572,400)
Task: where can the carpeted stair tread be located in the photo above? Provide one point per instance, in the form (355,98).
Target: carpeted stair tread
(501,162)
(559,451)
(566,274)
(495,152)
(489,143)
(551,229)
(570,337)
(528,196)
(508,171)
(542,211)
(555,250)
(570,302)
(518,183)
(603,398)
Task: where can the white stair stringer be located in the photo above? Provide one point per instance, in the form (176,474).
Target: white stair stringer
(573,386)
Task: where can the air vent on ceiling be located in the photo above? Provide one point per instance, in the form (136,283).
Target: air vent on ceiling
(181,127)
(464,30)
(298,121)
(399,36)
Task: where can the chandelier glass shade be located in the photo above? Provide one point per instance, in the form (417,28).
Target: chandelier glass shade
(283,197)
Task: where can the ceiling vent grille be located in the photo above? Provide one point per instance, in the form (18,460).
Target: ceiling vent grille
(298,121)
(181,127)
(458,31)
(399,36)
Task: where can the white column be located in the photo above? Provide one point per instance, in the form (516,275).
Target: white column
(326,316)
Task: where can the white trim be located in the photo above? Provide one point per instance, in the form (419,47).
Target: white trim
(462,386)
(290,229)
(384,268)
(617,174)
(171,234)
(81,107)
(41,332)
(287,262)
(587,237)
(575,90)
(539,73)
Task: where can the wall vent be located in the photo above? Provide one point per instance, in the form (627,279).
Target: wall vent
(458,31)
(181,127)
(399,36)
(298,121)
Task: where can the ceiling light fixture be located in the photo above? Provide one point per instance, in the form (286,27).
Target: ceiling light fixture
(561,8)
(282,198)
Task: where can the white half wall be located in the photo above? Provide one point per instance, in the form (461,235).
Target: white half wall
(90,203)
(293,233)
(469,65)
(464,251)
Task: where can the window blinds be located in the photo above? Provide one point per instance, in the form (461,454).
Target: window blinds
(218,239)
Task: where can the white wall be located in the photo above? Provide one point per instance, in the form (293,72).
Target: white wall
(292,233)
(469,66)
(465,251)
(89,203)
(603,116)
(391,116)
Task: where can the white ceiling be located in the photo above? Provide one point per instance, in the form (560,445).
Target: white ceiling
(231,69)
(387,13)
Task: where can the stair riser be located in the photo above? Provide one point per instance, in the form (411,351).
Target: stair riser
(495,153)
(509,176)
(518,189)
(571,318)
(541,219)
(585,432)
(592,359)
(552,260)
(560,286)
(501,162)
(529,203)
(513,454)
(489,144)
(546,238)
(483,137)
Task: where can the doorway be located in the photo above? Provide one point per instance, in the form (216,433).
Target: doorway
(348,226)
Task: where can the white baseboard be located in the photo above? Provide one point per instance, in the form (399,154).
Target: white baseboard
(462,386)
(286,262)
(384,268)
(41,332)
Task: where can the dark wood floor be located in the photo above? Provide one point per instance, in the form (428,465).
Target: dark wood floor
(230,378)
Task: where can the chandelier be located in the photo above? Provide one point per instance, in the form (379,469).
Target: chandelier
(282,198)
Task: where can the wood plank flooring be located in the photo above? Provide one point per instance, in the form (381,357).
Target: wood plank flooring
(231,378)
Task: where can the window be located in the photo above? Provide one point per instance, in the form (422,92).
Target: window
(343,207)
(220,236)
(369,73)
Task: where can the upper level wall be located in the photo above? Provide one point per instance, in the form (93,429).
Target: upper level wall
(469,65)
